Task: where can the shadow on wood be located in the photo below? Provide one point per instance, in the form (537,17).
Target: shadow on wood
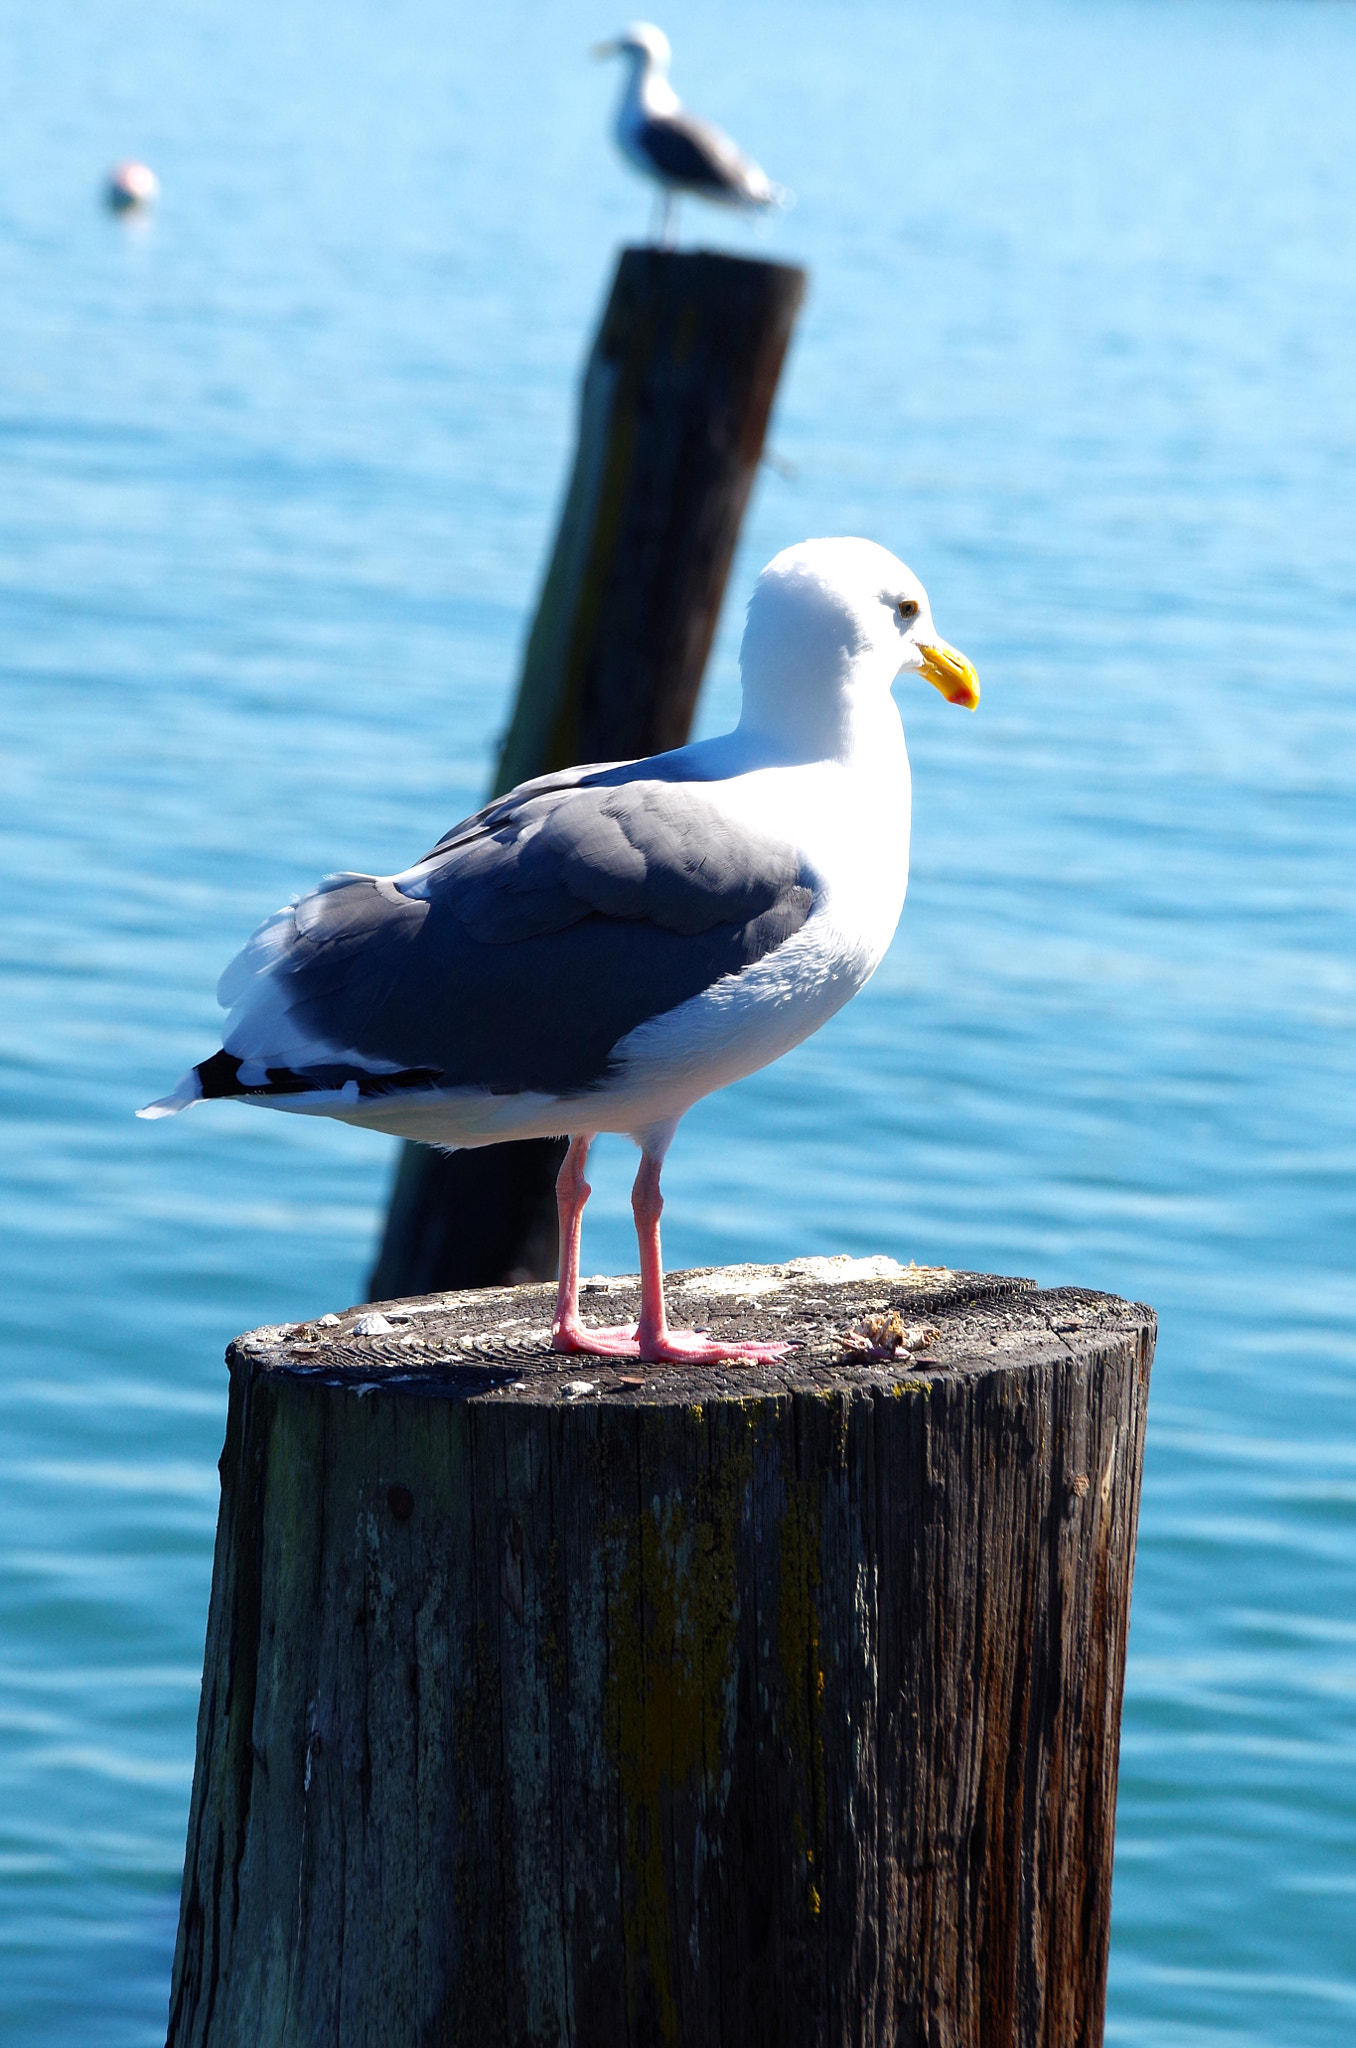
(673,413)
(551,1700)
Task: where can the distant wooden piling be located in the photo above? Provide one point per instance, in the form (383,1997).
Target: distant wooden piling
(672,417)
(549,1700)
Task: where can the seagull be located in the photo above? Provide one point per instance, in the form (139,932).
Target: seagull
(599,949)
(657,135)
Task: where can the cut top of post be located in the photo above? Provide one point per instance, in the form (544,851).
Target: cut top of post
(852,1324)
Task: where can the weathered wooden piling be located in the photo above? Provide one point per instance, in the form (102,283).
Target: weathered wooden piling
(554,1701)
(672,417)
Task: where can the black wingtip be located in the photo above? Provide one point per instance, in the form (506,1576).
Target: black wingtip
(219,1077)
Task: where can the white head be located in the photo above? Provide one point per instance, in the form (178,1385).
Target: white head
(642,42)
(831,623)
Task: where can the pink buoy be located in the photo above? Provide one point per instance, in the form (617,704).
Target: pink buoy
(131,184)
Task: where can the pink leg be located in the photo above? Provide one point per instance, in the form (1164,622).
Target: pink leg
(651,1339)
(568,1331)
(572,1191)
(656,1343)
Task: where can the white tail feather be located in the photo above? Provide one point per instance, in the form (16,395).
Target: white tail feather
(188,1091)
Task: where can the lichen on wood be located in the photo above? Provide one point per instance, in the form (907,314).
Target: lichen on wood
(739,1704)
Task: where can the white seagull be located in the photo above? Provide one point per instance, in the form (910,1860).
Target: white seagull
(599,949)
(657,135)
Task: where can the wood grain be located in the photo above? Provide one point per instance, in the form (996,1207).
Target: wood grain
(554,1701)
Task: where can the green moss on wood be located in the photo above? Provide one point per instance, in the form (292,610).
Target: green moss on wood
(672,1680)
(803,1677)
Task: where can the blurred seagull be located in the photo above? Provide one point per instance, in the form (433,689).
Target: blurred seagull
(657,135)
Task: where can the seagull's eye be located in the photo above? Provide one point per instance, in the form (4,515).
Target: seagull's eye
(907,608)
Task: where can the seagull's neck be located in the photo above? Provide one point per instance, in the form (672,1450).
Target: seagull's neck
(647,93)
(855,724)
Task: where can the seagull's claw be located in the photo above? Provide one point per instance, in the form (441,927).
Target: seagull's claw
(698,1347)
(673,1347)
(615,1340)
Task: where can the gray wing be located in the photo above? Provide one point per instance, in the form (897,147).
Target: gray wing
(692,153)
(518,953)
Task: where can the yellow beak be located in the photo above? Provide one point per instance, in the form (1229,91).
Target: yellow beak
(608,49)
(948,671)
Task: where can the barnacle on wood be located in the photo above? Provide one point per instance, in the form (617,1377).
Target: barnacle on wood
(889,1336)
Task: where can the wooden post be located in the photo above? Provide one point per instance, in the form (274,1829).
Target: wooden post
(672,417)
(547,1700)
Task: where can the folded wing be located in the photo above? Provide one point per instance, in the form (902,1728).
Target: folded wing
(517,954)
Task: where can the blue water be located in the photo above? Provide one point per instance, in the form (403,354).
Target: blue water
(278,471)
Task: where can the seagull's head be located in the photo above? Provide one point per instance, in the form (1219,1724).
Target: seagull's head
(831,623)
(642,42)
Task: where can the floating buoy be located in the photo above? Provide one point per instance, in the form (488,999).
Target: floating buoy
(129,185)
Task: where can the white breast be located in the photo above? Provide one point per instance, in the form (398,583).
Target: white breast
(852,827)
